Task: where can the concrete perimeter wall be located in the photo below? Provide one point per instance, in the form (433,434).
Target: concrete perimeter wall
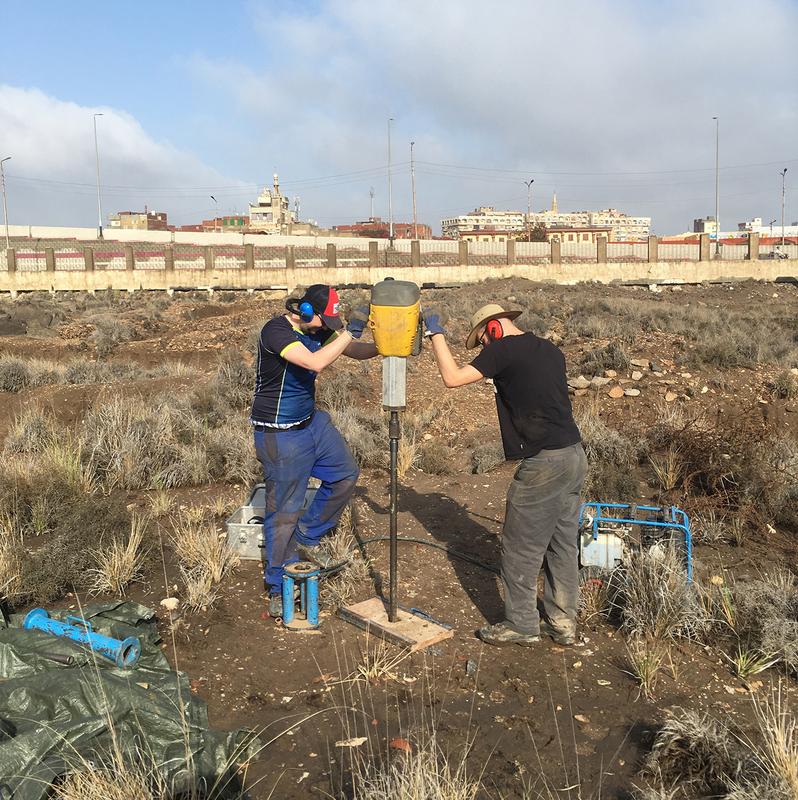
(287,262)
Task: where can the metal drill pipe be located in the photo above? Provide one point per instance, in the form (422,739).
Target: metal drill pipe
(394,433)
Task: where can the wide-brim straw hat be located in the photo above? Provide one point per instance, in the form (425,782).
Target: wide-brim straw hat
(483,317)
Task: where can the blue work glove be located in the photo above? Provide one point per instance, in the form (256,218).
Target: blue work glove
(357,321)
(433,321)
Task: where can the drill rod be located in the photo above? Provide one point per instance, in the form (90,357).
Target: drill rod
(394,434)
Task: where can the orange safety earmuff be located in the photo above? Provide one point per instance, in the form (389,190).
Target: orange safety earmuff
(494,330)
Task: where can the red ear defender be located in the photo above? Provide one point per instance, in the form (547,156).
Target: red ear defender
(494,330)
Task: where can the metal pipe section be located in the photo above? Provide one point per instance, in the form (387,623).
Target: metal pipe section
(394,434)
(125,653)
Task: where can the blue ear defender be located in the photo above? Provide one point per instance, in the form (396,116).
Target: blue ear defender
(303,310)
(306,312)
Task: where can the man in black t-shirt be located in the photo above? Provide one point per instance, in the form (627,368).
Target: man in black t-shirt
(537,428)
(293,440)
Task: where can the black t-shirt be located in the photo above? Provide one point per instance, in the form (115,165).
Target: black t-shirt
(531,394)
(285,393)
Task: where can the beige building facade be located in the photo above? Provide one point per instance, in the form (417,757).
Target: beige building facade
(271,212)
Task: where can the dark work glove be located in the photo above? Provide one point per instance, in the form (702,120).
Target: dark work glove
(433,321)
(357,321)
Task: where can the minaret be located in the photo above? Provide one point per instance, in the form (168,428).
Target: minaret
(553,203)
(276,184)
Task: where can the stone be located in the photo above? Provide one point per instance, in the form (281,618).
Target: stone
(686,375)
(656,367)
(615,392)
(704,389)
(643,363)
(610,373)
(581,392)
(670,396)
(632,392)
(170,603)
(794,371)
(598,381)
(579,383)
(637,375)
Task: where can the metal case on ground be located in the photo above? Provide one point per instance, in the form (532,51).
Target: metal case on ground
(245,525)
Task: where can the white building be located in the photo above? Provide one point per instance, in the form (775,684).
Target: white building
(771,229)
(623,228)
(484,218)
(271,211)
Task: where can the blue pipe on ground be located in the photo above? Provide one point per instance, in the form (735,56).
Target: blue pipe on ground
(125,653)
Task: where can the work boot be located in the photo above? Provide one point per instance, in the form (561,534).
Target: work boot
(502,634)
(275,605)
(318,555)
(563,636)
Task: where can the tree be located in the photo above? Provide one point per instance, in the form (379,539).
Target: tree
(536,234)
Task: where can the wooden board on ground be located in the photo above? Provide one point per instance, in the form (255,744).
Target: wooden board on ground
(409,631)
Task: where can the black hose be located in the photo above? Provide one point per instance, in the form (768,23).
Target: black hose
(413,540)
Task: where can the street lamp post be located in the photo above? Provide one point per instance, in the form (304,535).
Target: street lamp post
(529,208)
(97,160)
(390,186)
(5,204)
(782,173)
(717,186)
(413,189)
(771,228)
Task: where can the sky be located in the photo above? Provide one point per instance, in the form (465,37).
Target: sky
(610,103)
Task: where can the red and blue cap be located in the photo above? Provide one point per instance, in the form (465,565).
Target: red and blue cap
(326,304)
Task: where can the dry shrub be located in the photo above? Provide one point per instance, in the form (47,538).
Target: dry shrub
(340,588)
(15,374)
(120,563)
(75,525)
(486,456)
(766,615)
(611,457)
(703,756)
(436,458)
(651,595)
(692,749)
(30,432)
(12,558)
(109,332)
(128,783)
(611,356)
(365,433)
(234,380)
(785,386)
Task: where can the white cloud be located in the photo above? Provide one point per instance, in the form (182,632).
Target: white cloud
(51,177)
(579,87)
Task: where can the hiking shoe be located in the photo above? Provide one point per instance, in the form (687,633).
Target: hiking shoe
(275,605)
(318,555)
(563,636)
(502,634)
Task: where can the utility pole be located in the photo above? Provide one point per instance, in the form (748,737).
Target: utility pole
(529,208)
(97,158)
(371,197)
(782,173)
(5,203)
(717,186)
(390,187)
(413,189)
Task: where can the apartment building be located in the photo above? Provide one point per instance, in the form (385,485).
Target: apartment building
(271,212)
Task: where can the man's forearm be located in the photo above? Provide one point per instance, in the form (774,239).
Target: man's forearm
(444,358)
(361,350)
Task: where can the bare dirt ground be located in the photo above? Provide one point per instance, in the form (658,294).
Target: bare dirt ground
(574,714)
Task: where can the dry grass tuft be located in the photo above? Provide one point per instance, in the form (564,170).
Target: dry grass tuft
(646,657)
(409,450)
(340,588)
(653,598)
(161,503)
(668,468)
(486,456)
(12,558)
(120,563)
(425,773)
(200,593)
(199,546)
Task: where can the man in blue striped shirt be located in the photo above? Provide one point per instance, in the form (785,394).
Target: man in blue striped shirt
(294,440)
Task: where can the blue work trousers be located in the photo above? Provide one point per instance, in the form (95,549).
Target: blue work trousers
(289,458)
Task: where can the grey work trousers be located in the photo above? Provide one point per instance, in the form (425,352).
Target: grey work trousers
(540,529)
